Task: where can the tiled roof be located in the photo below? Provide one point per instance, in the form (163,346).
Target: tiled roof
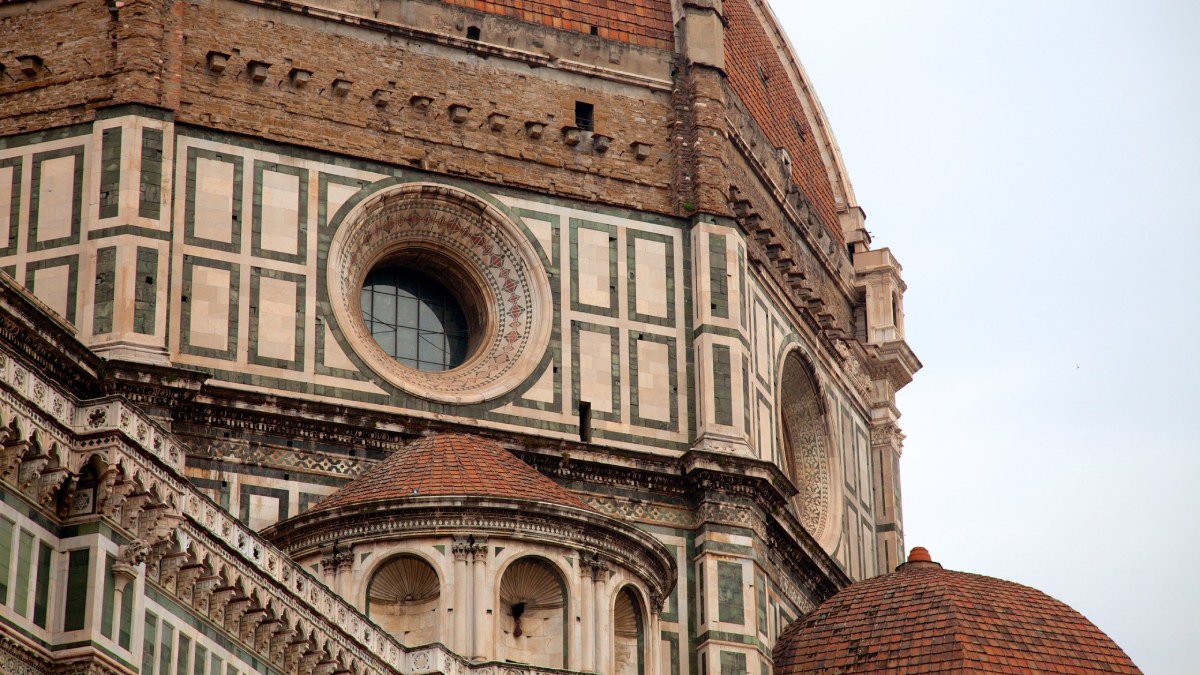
(451,465)
(757,76)
(639,22)
(925,619)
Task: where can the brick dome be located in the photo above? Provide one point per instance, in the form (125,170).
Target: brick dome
(926,619)
(451,465)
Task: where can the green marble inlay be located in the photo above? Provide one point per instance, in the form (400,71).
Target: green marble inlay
(299,281)
(718,276)
(615,370)
(149,643)
(256,243)
(9,246)
(577,305)
(71,262)
(106,279)
(731,605)
(673,374)
(110,172)
(7,528)
(234,244)
(108,607)
(75,612)
(41,597)
(145,291)
(668,275)
(733,663)
(150,184)
(76,199)
(722,385)
(190,263)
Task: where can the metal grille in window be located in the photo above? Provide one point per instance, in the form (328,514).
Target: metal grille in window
(415,319)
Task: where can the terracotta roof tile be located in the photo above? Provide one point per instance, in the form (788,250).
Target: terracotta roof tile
(757,76)
(925,619)
(640,22)
(451,465)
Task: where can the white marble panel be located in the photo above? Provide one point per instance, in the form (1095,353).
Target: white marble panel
(277,318)
(55,194)
(651,259)
(280,212)
(594,272)
(214,200)
(209,324)
(595,370)
(653,381)
(52,286)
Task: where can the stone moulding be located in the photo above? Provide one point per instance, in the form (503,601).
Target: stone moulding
(454,235)
(568,528)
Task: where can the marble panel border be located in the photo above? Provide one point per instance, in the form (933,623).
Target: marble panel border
(300,257)
(190,262)
(234,245)
(673,369)
(76,151)
(631,237)
(301,283)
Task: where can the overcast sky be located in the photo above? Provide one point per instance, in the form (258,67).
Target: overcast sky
(1034,167)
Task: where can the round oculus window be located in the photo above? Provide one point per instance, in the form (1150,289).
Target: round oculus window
(442,293)
(415,319)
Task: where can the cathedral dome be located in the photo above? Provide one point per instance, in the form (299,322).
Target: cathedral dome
(926,619)
(451,465)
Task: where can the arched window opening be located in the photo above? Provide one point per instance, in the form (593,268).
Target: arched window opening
(804,443)
(533,615)
(403,597)
(629,632)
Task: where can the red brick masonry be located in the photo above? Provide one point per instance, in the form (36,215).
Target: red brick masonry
(451,465)
(925,619)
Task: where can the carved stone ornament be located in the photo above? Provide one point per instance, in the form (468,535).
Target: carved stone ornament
(858,375)
(475,247)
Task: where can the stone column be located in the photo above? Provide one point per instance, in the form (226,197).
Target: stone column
(481,632)
(587,616)
(603,618)
(345,575)
(461,640)
(329,568)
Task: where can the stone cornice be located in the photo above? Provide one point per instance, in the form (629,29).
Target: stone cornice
(420,516)
(45,342)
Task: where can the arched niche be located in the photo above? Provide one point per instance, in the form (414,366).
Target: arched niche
(533,614)
(403,597)
(629,634)
(806,445)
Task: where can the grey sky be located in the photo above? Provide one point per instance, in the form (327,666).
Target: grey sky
(1034,166)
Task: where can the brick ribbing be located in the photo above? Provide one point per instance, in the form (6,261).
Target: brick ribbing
(774,104)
